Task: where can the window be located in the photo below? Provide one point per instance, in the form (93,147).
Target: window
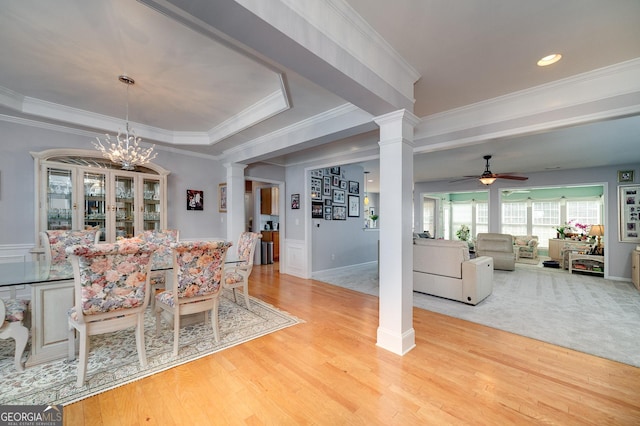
(460,215)
(429,216)
(514,218)
(482,218)
(545,219)
(584,212)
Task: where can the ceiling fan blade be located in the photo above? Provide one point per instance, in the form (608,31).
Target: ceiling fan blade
(463,179)
(512,177)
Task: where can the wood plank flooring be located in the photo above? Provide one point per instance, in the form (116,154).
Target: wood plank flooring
(329,371)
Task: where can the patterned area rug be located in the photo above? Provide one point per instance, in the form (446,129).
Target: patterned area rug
(113,360)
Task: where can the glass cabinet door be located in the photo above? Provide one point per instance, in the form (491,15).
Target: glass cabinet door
(151,210)
(59,198)
(95,202)
(125,206)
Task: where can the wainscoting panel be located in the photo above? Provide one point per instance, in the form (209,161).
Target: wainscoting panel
(296,260)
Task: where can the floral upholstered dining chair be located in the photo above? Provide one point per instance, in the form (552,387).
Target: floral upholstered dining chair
(237,274)
(55,242)
(12,313)
(160,242)
(111,293)
(197,275)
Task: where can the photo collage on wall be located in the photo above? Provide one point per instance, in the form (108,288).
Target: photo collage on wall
(333,197)
(629,213)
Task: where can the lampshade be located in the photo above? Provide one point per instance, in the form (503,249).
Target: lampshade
(596,230)
(487,180)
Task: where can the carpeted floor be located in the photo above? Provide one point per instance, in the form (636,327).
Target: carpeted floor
(113,360)
(582,312)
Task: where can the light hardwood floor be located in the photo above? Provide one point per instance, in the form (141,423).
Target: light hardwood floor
(328,371)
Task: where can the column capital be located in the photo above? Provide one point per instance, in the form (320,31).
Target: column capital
(397,123)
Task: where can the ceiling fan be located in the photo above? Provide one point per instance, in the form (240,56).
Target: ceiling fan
(487,178)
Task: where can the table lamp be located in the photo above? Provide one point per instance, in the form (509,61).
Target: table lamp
(597,231)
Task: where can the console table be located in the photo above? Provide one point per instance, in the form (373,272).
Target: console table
(592,264)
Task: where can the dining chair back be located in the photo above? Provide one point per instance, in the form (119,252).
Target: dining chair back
(55,242)
(237,274)
(197,276)
(12,313)
(111,293)
(160,242)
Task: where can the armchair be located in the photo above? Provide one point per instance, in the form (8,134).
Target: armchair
(111,293)
(499,247)
(525,246)
(237,274)
(55,242)
(197,275)
(12,313)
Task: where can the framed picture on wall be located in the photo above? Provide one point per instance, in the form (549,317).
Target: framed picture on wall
(338,196)
(629,213)
(354,206)
(335,181)
(327,212)
(339,213)
(343,184)
(354,187)
(195,199)
(316,188)
(625,175)
(326,186)
(316,209)
(222,197)
(335,171)
(295,201)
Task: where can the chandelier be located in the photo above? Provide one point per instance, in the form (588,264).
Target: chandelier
(127,150)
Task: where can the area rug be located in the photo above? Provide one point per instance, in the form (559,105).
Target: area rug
(583,312)
(113,360)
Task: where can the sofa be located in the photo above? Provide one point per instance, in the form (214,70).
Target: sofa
(443,268)
(525,246)
(499,247)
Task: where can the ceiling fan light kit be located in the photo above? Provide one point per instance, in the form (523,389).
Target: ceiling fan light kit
(487,177)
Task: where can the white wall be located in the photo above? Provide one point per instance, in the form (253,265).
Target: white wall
(617,254)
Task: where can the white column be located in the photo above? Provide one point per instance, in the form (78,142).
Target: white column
(235,204)
(395,329)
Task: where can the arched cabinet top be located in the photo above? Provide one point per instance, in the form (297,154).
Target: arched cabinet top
(91,158)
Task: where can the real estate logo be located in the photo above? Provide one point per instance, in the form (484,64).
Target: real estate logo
(30,415)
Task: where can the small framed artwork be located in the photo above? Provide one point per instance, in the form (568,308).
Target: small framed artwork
(338,196)
(195,199)
(625,175)
(326,186)
(316,173)
(316,188)
(328,202)
(339,213)
(629,212)
(222,197)
(316,210)
(343,184)
(327,212)
(354,187)
(335,171)
(295,201)
(354,206)
(335,181)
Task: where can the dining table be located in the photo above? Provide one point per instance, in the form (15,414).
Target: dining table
(51,293)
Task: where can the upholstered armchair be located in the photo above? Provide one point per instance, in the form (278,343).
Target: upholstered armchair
(160,242)
(525,246)
(111,293)
(237,274)
(499,247)
(197,281)
(55,242)
(12,313)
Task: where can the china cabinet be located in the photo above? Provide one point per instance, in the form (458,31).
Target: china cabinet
(78,189)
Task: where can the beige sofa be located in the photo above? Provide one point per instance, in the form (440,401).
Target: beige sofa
(443,268)
(499,247)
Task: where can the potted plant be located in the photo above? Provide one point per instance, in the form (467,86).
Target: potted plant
(374,218)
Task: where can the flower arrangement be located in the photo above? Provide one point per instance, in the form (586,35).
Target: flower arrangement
(463,233)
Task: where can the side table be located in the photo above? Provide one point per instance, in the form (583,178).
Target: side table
(592,264)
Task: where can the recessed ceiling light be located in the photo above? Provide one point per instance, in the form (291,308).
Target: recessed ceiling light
(549,59)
